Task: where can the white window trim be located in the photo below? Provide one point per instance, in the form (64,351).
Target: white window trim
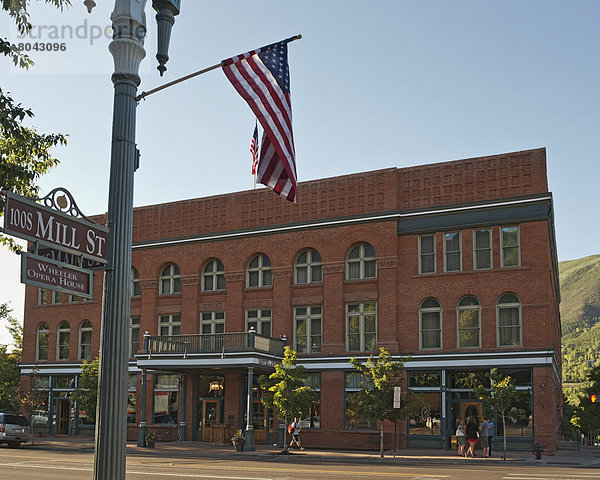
(135,281)
(213,320)
(37,342)
(308,319)
(83,329)
(58,332)
(460,251)
(458,310)
(309,267)
(491,248)
(172,276)
(429,310)
(361,262)
(518,246)
(170,323)
(260,269)
(214,274)
(434,254)
(509,305)
(361,326)
(131,329)
(259,319)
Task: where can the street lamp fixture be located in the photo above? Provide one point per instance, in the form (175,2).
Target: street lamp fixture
(165,18)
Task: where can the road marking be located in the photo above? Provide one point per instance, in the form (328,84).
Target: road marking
(516,476)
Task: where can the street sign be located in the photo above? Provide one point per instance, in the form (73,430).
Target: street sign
(397,395)
(46,273)
(31,221)
(69,258)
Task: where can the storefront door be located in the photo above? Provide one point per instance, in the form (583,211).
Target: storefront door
(211,412)
(460,411)
(62,415)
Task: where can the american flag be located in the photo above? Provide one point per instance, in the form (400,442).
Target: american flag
(262,78)
(254,149)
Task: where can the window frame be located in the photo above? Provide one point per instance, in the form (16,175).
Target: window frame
(308,319)
(519,307)
(134,324)
(261,270)
(422,310)
(85,327)
(214,274)
(503,247)
(490,248)
(60,331)
(170,324)
(310,266)
(38,331)
(460,308)
(361,326)
(173,277)
(362,260)
(213,321)
(446,252)
(136,288)
(421,254)
(259,319)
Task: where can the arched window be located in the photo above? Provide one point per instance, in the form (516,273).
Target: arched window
(136,289)
(308,267)
(259,272)
(430,324)
(42,341)
(508,314)
(85,340)
(170,281)
(213,276)
(361,262)
(469,323)
(63,339)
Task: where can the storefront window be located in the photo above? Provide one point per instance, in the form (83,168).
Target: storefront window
(131,399)
(355,420)
(314,419)
(428,419)
(517,425)
(424,379)
(64,381)
(166,404)
(521,376)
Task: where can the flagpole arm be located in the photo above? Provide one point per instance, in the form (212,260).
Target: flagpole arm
(143,95)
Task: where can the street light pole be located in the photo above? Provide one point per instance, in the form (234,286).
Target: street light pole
(127,48)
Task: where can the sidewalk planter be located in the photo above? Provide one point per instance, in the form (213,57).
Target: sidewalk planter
(150,440)
(238,441)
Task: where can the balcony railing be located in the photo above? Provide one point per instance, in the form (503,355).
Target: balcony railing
(213,343)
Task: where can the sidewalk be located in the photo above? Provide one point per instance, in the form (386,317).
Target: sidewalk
(585,458)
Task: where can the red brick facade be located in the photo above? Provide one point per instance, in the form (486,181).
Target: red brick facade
(333,216)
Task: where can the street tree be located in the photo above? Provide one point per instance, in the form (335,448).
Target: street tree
(586,415)
(9,361)
(380,374)
(286,390)
(25,154)
(499,394)
(86,395)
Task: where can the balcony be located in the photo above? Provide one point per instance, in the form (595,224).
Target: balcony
(219,349)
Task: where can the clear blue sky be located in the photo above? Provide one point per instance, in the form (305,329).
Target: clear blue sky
(374,84)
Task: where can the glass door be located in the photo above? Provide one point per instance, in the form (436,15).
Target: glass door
(210,416)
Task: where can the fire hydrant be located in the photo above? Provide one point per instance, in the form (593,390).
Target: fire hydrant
(538,451)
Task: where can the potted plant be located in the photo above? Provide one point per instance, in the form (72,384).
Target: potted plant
(151,439)
(238,440)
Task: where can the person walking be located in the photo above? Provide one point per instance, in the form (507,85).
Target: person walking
(483,436)
(295,426)
(471,435)
(490,436)
(461,440)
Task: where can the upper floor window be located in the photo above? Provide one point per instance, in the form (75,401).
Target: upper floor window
(427,253)
(45,296)
(509,320)
(170,279)
(213,276)
(169,325)
(308,267)
(452,252)
(308,328)
(85,341)
(134,335)
(482,249)
(136,289)
(62,341)
(361,326)
(42,341)
(510,252)
(361,262)
(212,322)
(259,320)
(430,315)
(259,272)
(469,323)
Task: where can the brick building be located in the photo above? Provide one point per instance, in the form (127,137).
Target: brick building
(452,263)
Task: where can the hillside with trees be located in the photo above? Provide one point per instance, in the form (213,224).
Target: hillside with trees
(580,318)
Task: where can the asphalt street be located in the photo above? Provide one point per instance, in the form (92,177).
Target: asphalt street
(55,465)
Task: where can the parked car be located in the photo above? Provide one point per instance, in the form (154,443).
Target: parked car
(14,429)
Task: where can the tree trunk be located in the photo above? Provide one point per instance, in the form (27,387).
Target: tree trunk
(381,440)
(504,431)
(285,445)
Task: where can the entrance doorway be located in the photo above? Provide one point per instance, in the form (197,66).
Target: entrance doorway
(62,416)
(209,414)
(460,412)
